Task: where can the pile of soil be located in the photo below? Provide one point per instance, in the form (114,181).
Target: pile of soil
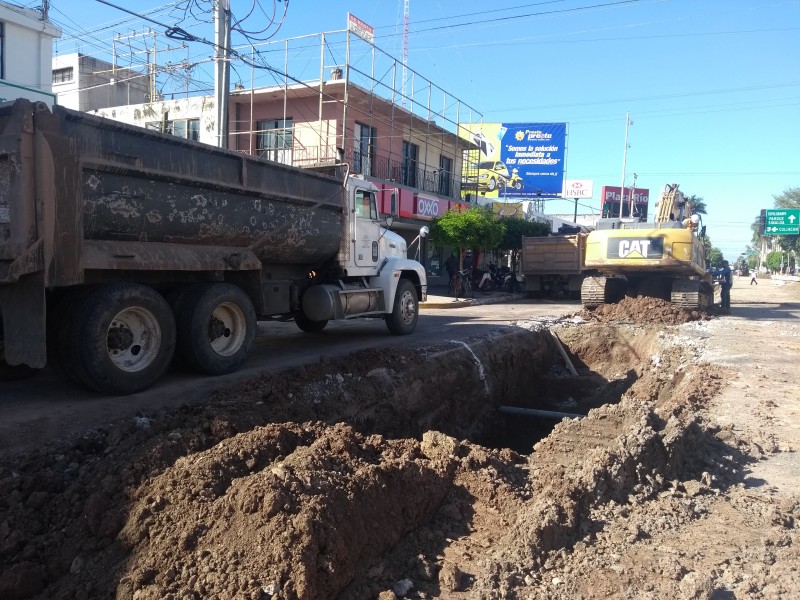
(363,479)
(641,309)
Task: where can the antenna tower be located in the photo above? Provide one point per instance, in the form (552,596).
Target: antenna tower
(405,49)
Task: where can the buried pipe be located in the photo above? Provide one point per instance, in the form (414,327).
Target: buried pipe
(535,412)
(564,354)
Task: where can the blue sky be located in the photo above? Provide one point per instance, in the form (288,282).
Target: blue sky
(712,86)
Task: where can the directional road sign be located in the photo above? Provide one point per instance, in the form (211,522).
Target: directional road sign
(782,221)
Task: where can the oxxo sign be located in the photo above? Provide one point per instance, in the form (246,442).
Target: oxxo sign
(635,248)
(429,208)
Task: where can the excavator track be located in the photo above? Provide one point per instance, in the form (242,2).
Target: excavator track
(692,294)
(597,290)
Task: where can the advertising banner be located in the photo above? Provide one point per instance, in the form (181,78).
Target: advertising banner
(609,205)
(361,29)
(514,160)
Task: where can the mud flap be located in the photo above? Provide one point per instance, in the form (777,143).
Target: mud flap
(24,316)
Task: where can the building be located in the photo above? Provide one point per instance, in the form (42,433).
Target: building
(86,83)
(26,42)
(191,118)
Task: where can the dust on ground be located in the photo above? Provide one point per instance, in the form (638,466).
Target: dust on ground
(333,482)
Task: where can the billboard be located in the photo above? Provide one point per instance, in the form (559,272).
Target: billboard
(514,160)
(609,202)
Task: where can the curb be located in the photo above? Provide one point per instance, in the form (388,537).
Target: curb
(447,302)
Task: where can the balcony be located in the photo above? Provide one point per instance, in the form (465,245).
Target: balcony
(381,166)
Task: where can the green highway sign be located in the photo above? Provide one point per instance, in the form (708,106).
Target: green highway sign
(782,221)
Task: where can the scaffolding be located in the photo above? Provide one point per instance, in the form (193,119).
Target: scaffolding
(335,97)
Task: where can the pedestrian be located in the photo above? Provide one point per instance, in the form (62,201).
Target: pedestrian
(451,266)
(725,283)
(753,277)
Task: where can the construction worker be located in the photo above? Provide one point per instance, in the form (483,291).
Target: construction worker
(725,284)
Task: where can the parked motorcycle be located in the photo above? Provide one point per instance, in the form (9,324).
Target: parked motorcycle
(511,282)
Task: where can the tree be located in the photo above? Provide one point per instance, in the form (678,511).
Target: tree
(473,228)
(790,198)
(714,258)
(515,230)
(695,204)
(774,260)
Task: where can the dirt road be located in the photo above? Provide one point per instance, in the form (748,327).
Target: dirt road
(387,476)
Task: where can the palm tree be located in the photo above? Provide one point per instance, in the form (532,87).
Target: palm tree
(696,205)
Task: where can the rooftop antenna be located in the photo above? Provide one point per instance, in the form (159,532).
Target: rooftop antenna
(405,50)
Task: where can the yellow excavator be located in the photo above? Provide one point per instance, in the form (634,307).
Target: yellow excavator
(662,259)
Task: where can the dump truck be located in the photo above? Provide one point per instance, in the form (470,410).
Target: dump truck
(123,249)
(554,264)
(661,259)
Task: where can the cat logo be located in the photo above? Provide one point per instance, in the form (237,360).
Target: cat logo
(636,247)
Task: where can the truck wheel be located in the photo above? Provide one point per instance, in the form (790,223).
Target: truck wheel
(405,313)
(122,338)
(60,318)
(309,326)
(216,328)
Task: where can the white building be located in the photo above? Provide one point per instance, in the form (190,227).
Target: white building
(26,42)
(190,118)
(86,83)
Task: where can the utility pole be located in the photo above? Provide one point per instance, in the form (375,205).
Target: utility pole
(222,45)
(628,123)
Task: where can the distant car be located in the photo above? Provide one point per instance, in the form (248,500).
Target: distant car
(489,175)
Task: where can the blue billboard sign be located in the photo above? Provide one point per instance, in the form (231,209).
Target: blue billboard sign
(515,160)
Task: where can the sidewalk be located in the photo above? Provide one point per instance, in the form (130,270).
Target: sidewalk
(438,298)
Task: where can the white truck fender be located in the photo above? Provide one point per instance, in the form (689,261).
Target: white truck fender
(390,274)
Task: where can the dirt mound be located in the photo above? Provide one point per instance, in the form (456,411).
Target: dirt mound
(267,494)
(641,309)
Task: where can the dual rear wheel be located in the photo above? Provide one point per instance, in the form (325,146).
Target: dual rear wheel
(119,339)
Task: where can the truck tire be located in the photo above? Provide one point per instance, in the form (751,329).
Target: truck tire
(405,312)
(122,338)
(60,317)
(309,326)
(216,327)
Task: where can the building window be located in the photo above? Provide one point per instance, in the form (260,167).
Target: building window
(188,129)
(274,140)
(408,175)
(2,52)
(445,175)
(62,75)
(364,149)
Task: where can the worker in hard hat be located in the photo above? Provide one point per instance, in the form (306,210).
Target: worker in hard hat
(691,222)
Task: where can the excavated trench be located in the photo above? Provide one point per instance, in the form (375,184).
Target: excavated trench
(342,479)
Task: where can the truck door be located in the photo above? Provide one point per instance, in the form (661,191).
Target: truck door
(367,229)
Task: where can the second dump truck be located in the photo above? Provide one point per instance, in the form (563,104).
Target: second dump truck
(122,248)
